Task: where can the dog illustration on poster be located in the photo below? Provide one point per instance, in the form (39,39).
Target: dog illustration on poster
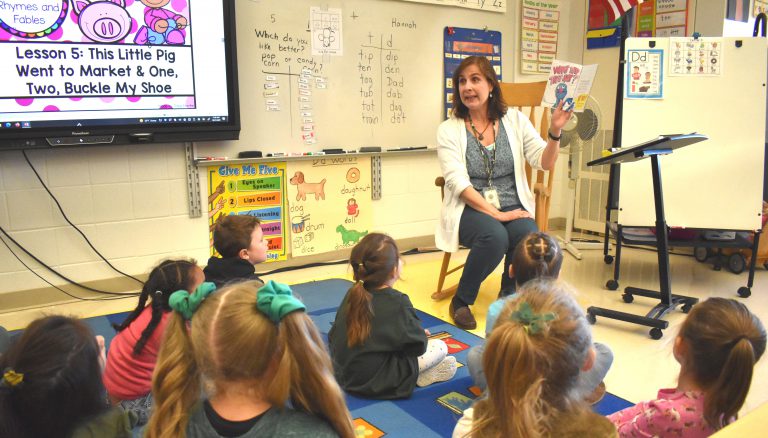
(304,188)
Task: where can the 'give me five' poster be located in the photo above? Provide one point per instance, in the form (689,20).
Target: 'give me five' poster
(255,189)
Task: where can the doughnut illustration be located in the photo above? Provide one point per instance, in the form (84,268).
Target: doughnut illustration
(353,175)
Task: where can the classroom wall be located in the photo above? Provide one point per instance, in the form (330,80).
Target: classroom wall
(131,201)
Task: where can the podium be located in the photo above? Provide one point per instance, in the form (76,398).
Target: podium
(653,149)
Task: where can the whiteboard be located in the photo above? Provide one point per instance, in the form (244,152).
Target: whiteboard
(390,49)
(717,183)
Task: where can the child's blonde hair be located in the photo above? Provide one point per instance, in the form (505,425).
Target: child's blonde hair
(724,341)
(231,340)
(532,360)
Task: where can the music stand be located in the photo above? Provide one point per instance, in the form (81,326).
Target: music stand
(663,145)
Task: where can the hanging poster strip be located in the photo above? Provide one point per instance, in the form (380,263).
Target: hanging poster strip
(671,18)
(539,35)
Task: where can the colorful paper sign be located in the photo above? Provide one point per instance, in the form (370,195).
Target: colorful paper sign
(252,189)
(645,74)
(330,205)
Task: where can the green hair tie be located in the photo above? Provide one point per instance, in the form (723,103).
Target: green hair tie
(532,323)
(186,304)
(276,300)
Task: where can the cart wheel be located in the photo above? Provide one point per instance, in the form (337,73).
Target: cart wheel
(612,284)
(591,318)
(744,292)
(628,298)
(686,307)
(700,254)
(656,333)
(736,263)
(608,259)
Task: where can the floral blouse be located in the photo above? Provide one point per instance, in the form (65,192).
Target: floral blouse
(673,414)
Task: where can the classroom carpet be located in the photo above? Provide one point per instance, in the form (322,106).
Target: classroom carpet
(431,411)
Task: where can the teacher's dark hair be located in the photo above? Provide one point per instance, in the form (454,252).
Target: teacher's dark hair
(496,105)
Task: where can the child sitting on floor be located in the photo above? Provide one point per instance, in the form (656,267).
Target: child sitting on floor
(532,362)
(240,241)
(378,346)
(51,387)
(133,352)
(539,256)
(717,348)
(252,347)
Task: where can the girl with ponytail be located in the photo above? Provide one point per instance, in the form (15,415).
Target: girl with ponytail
(533,358)
(133,351)
(378,346)
(252,348)
(538,256)
(50,384)
(717,348)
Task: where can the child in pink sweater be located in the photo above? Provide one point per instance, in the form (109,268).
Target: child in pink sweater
(133,352)
(717,348)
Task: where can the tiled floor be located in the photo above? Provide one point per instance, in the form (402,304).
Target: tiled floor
(641,365)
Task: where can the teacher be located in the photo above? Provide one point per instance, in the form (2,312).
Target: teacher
(487,200)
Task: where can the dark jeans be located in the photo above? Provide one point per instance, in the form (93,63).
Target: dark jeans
(488,241)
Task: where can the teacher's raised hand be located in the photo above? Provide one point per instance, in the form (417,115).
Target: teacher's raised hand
(559,118)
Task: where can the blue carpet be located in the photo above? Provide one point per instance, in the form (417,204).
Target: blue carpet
(431,411)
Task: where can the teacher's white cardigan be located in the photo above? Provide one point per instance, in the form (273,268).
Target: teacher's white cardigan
(452,153)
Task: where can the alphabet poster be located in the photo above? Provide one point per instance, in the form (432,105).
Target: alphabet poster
(695,56)
(255,189)
(645,74)
(329,201)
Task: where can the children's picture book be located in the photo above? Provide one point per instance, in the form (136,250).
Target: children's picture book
(569,82)
(455,401)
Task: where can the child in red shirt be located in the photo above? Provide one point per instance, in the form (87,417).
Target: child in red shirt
(133,352)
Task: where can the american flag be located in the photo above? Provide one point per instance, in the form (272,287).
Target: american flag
(616,8)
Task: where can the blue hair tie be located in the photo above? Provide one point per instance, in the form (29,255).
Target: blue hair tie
(186,304)
(276,300)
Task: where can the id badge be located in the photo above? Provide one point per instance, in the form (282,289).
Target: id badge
(492,196)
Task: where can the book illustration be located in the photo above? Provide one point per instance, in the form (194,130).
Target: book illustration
(455,401)
(570,83)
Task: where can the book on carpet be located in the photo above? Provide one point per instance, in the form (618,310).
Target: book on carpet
(455,401)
